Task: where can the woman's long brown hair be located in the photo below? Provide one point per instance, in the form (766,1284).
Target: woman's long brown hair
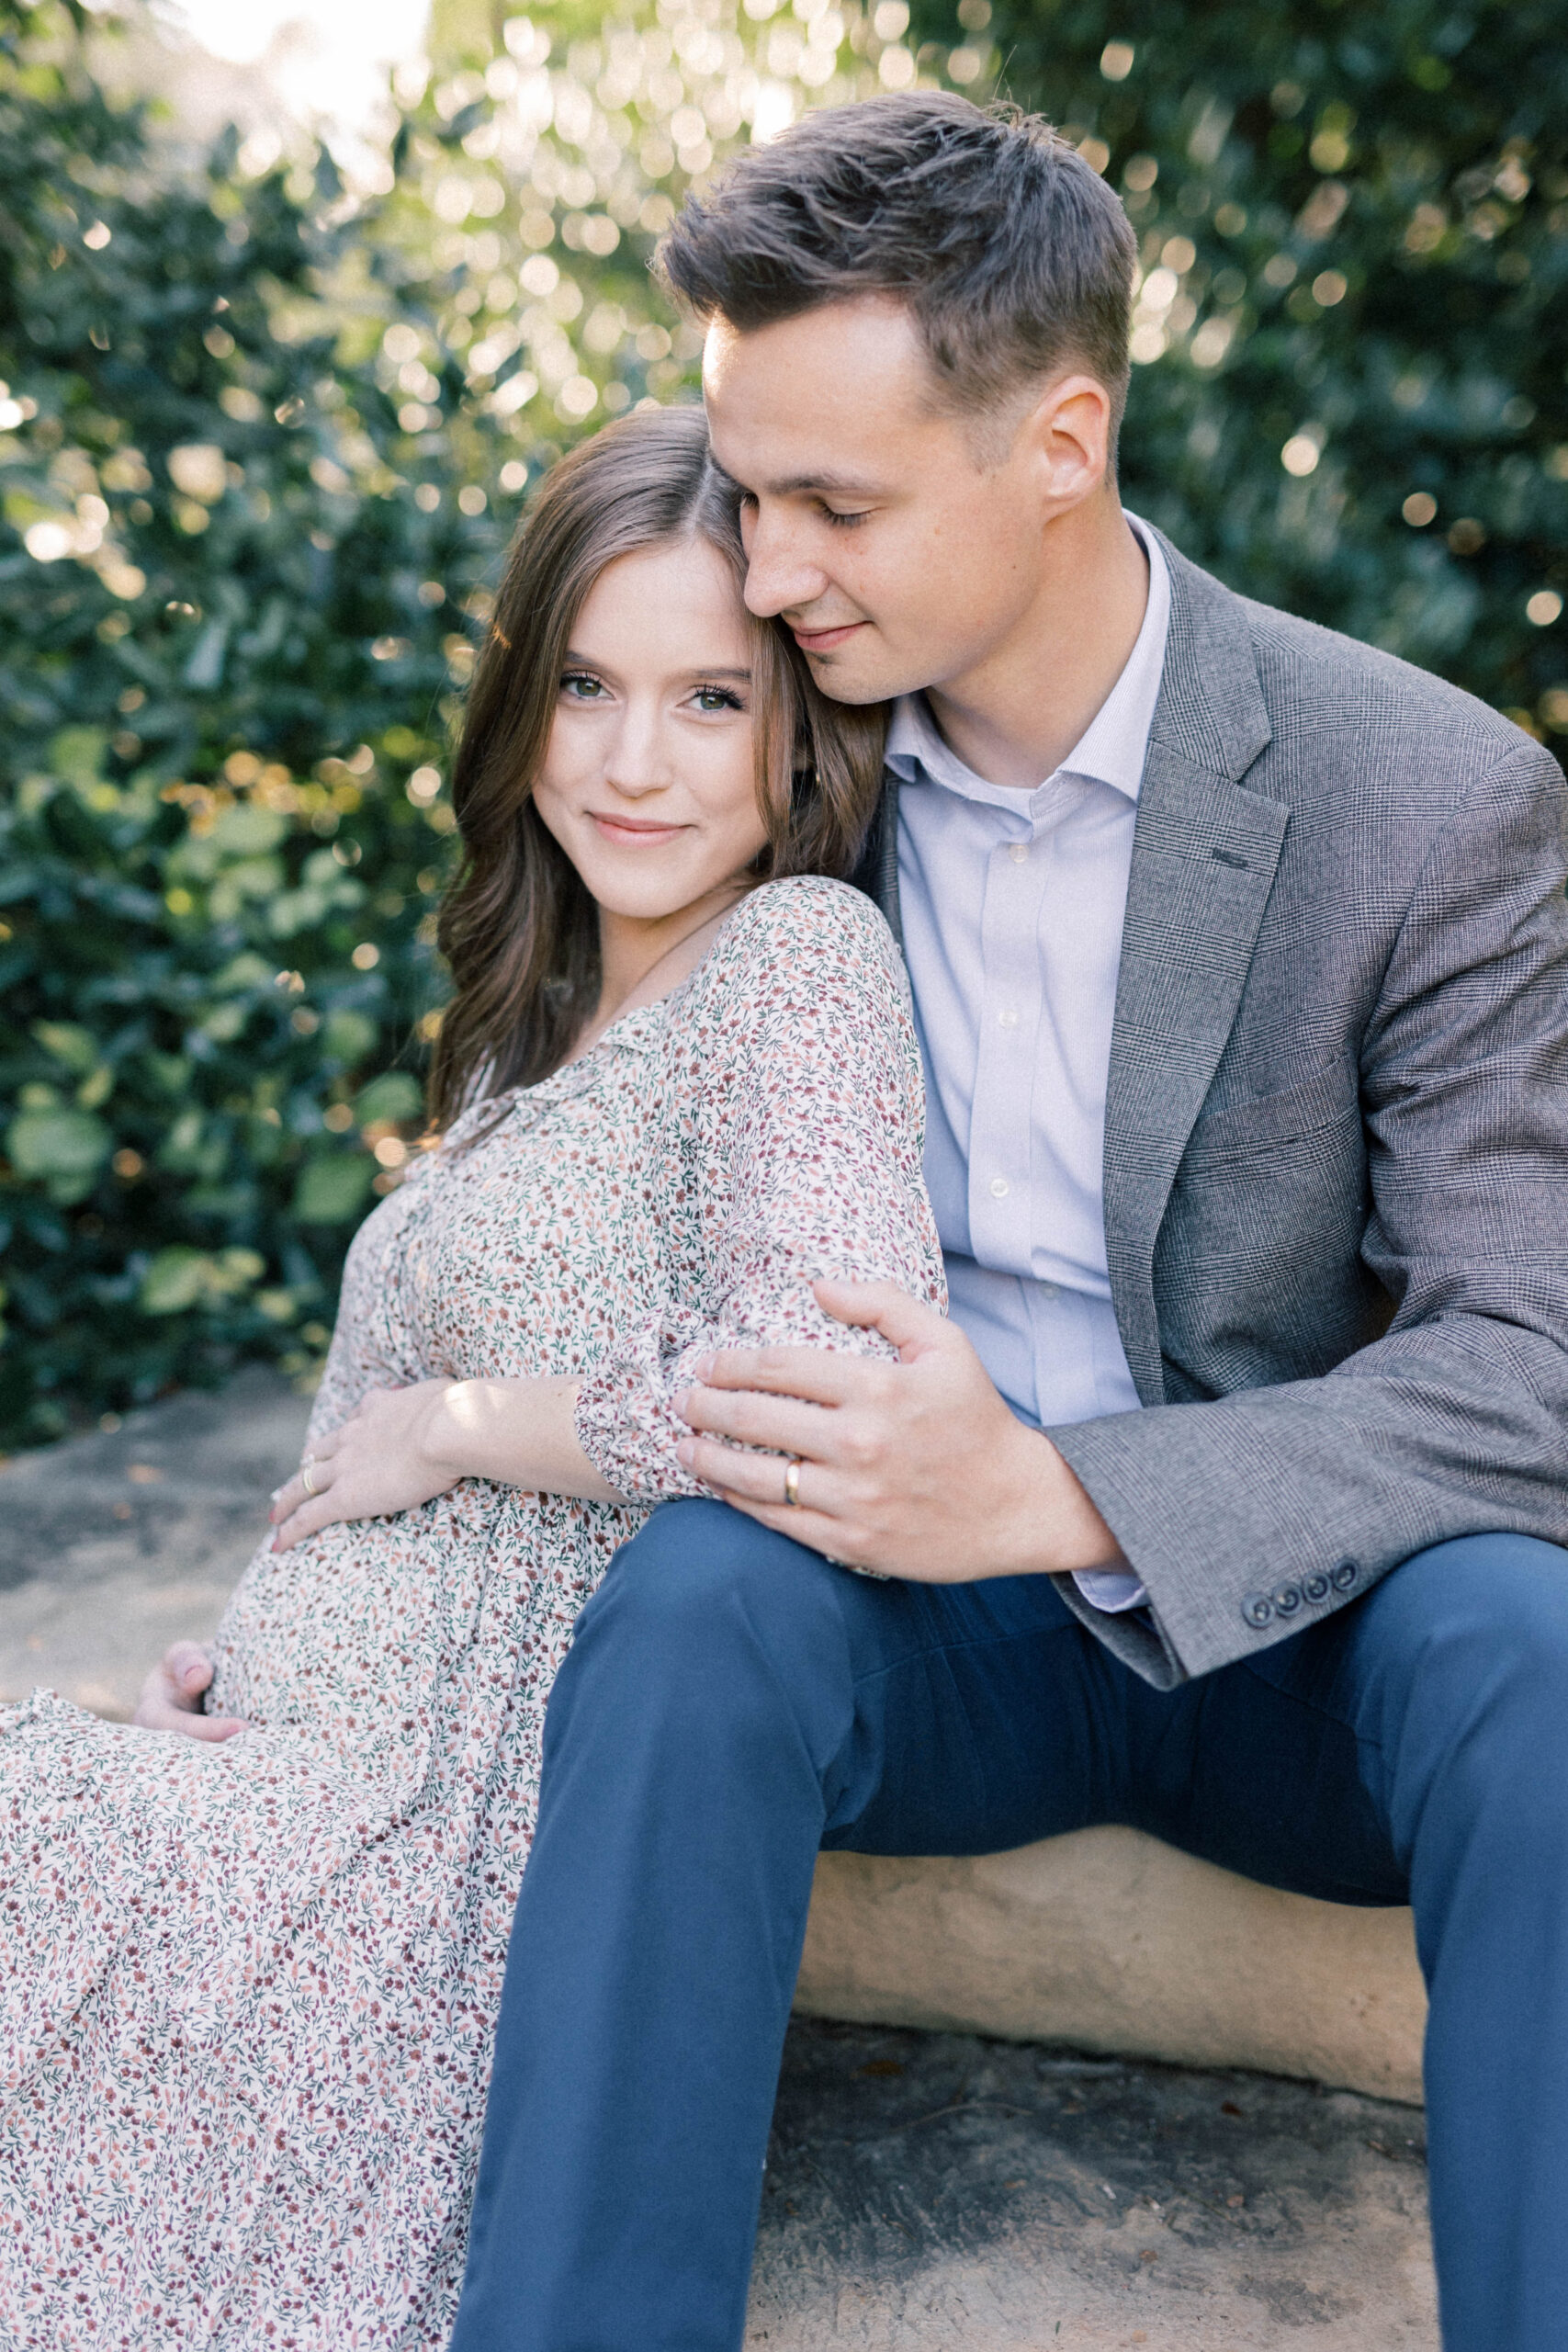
(518,928)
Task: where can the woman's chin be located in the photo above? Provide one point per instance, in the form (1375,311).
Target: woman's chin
(626,902)
(650,896)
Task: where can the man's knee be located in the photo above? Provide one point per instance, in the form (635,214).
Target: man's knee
(1475,1638)
(698,1565)
(1501,1599)
(705,1608)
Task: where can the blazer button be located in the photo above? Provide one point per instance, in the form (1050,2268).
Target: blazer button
(1257,1609)
(1287,1600)
(1317,1587)
(1343,1577)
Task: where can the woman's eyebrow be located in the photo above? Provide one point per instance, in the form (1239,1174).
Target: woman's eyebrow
(570,661)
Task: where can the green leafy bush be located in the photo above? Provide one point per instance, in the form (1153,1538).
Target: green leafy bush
(235,594)
(263,440)
(1351,395)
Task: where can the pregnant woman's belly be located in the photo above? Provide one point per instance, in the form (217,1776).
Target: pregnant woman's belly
(529,1252)
(356,1648)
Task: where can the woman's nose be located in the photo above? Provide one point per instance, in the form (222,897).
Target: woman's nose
(638,760)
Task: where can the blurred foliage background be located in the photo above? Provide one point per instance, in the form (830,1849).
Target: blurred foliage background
(264,433)
(1352,332)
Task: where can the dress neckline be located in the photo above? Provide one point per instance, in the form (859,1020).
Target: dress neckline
(659,1004)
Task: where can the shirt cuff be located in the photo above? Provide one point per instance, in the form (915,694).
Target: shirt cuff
(1112,1589)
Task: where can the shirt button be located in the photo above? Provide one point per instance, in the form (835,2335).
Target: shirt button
(1049,1290)
(1019,853)
(1007,1018)
(1000,1188)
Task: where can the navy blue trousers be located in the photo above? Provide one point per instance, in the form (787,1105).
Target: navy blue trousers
(732,1702)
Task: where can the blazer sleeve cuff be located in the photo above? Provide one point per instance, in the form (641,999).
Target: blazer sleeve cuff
(1135,1635)
(1222,1583)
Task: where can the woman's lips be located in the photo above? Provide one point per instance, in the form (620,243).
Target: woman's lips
(825,641)
(626,835)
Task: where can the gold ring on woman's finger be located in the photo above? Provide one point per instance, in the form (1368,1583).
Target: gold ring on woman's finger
(308,1474)
(792,1484)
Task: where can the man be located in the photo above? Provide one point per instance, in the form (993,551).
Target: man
(1239,957)
(1227,1503)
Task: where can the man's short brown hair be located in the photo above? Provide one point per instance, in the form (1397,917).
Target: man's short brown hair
(1014,258)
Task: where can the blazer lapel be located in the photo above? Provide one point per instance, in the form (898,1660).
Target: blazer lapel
(1204,854)
(877,871)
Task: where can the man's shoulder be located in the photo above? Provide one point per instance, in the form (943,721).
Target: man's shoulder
(1334,703)
(1320,677)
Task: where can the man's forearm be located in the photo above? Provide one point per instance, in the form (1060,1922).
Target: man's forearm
(1251,1516)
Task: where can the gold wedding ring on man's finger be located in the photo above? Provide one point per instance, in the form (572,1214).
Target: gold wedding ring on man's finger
(792,1484)
(307,1474)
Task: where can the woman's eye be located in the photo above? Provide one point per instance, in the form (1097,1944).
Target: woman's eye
(717,698)
(845,522)
(580,687)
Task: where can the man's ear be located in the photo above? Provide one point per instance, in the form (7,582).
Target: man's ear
(1066,436)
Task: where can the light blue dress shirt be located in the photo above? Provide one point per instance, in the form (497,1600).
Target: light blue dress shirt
(1012,904)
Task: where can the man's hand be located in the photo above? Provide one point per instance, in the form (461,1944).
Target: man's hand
(917,1468)
(171,1697)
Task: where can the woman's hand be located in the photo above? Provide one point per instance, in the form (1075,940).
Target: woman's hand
(384,1459)
(174,1697)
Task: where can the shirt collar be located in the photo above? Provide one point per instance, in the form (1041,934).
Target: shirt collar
(1111,748)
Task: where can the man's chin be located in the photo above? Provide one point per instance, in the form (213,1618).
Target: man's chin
(844,679)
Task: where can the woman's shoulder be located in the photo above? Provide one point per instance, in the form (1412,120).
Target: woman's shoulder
(808,919)
(812,954)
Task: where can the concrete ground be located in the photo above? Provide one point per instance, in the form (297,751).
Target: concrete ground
(924,2191)
(930,2191)
(115,1544)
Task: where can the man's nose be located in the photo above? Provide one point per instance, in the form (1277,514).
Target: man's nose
(780,575)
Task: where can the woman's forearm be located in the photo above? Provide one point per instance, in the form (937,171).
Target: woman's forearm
(519,1432)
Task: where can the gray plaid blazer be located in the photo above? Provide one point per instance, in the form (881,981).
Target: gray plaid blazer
(1336,1135)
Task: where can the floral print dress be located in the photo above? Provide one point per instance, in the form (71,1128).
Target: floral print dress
(248,1993)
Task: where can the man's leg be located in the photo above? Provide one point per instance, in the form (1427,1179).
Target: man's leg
(1415,1746)
(730,1700)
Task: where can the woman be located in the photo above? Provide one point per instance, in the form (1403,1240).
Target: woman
(248,1989)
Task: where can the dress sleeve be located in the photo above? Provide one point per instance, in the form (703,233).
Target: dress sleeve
(797,1086)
